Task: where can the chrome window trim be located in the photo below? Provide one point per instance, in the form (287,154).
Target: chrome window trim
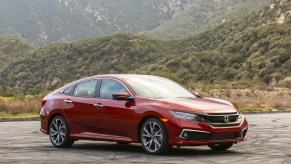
(63,90)
(74,85)
(100,78)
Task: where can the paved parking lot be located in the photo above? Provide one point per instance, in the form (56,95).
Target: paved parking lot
(269,142)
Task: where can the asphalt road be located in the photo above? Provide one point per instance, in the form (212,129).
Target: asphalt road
(269,142)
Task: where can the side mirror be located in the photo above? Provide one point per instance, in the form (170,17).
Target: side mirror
(122,96)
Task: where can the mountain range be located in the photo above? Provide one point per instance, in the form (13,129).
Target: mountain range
(254,47)
(46,21)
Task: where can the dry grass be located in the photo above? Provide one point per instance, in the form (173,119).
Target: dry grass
(15,106)
(256,98)
(253,99)
(24,115)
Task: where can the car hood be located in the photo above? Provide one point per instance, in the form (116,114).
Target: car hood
(203,105)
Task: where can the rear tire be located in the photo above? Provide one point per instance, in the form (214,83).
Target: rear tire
(154,137)
(59,133)
(220,146)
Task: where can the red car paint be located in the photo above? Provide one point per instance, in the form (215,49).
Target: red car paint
(120,120)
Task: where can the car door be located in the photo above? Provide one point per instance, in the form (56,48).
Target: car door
(79,109)
(116,115)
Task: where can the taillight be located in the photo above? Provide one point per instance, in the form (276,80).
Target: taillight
(43,102)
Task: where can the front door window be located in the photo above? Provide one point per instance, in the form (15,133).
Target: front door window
(110,86)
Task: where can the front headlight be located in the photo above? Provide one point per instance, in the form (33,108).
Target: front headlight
(239,117)
(188,116)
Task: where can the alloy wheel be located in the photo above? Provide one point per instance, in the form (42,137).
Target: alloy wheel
(58,132)
(152,136)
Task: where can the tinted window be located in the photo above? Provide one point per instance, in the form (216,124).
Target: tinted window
(85,89)
(68,91)
(110,86)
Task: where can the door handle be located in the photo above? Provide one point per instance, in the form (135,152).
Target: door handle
(99,105)
(68,101)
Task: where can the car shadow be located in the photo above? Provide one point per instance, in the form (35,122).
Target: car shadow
(190,151)
(130,148)
(137,149)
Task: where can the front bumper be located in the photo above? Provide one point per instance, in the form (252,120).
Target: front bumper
(198,135)
(186,132)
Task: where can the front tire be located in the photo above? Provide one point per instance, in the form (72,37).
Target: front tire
(154,137)
(59,133)
(220,146)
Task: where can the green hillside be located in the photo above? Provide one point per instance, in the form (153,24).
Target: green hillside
(46,21)
(256,47)
(55,64)
(11,49)
(202,15)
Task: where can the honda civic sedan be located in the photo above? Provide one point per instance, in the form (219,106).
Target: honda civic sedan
(151,110)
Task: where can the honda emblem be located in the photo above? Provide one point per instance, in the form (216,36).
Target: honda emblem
(226,119)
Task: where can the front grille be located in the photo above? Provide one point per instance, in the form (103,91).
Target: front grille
(217,114)
(220,120)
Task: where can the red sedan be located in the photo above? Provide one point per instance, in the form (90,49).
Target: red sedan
(151,110)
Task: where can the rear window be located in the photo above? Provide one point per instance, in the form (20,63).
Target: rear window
(68,91)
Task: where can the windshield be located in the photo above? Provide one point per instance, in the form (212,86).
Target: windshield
(157,87)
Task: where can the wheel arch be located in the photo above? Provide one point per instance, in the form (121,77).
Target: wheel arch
(52,117)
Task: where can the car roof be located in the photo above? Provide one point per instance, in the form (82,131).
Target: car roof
(123,76)
(114,76)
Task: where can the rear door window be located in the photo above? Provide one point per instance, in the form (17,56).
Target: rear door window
(86,89)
